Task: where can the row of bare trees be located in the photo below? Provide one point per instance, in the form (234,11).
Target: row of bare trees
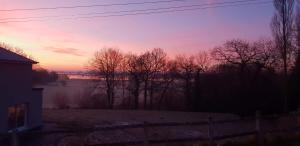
(141,74)
(153,79)
(145,80)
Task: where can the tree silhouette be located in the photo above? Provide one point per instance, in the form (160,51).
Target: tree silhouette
(267,56)
(106,64)
(282,28)
(238,53)
(168,76)
(202,65)
(159,60)
(298,26)
(135,72)
(186,70)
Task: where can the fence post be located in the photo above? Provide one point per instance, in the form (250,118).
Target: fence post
(210,131)
(259,135)
(146,134)
(14,138)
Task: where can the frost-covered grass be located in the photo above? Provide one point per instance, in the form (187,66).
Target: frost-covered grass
(94,117)
(55,119)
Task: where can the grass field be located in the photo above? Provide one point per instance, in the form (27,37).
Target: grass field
(79,118)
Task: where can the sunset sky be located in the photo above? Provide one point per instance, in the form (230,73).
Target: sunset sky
(61,41)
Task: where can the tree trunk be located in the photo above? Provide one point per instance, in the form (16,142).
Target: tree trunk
(284,57)
(188,93)
(163,94)
(151,95)
(145,93)
(136,94)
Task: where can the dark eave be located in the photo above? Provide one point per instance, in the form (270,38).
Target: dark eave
(7,56)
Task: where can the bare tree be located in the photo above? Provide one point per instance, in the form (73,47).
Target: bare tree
(152,64)
(236,52)
(159,60)
(147,65)
(123,74)
(135,70)
(106,63)
(282,28)
(168,76)
(298,27)
(267,55)
(203,61)
(186,70)
(202,65)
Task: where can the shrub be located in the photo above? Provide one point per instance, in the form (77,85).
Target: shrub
(88,99)
(61,100)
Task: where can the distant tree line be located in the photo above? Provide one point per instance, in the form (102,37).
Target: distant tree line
(43,76)
(239,76)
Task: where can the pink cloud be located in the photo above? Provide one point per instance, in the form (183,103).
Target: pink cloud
(69,51)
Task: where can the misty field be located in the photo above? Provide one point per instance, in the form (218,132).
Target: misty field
(68,88)
(74,91)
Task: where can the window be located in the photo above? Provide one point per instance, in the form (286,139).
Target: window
(17,116)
